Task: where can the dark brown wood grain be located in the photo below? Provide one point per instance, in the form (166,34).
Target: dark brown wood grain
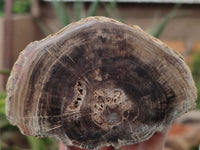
(98,82)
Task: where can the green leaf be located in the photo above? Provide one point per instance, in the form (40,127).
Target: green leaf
(1,13)
(93,8)
(156,32)
(21,6)
(35,143)
(3,95)
(5,71)
(3,122)
(2,104)
(196,75)
(78,9)
(111,10)
(61,12)
(42,26)
(2,109)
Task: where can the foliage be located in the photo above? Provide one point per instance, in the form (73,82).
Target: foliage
(195,67)
(1,4)
(42,26)
(157,30)
(93,8)
(10,134)
(2,103)
(195,147)
(110,10)
(21,6)
(61,12)
(80,11)
(1,7)
(5,71)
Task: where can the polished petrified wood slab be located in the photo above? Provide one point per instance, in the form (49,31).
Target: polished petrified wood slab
(98,82)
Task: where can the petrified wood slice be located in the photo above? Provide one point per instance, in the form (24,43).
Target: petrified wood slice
(98,82)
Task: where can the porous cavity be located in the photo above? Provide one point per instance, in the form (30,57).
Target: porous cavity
(79,95)
(109,107)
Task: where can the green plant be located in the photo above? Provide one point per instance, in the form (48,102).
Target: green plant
(80,11)
(1,7)
(42,26)
(195,148)
(21,6)
(196,74)
(61,12)
(198,98)
(1,4)
(93,8)
(5,71)
(157,30)
(111,10)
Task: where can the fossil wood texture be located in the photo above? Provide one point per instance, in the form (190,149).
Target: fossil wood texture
(98,82)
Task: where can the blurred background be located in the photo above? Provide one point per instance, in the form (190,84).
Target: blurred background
(176,23)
